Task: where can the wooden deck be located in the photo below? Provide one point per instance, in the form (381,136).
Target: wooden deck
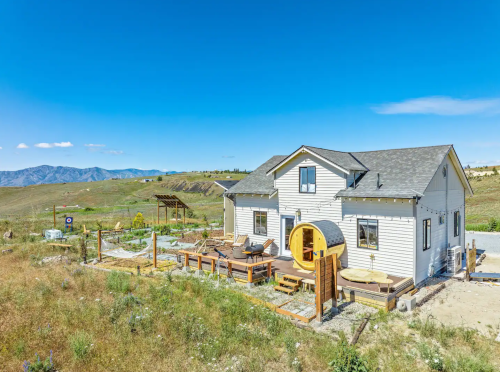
(367,293)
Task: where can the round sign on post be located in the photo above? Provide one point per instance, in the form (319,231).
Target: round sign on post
(69,220)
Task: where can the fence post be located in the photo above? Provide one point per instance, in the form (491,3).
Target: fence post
(99,256)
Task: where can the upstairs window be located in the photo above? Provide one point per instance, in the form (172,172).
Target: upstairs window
(260,223)
(368,234)
(456,223)
(427,234)
(307,179)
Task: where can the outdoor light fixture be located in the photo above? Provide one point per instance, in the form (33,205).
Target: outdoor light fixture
(298,214)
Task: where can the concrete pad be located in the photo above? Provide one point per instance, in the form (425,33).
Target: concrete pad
(250,285)
(199,273)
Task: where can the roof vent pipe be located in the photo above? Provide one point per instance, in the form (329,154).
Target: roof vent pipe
(378,181)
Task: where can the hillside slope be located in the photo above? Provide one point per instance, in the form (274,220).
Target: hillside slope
(48,174)
(110,194)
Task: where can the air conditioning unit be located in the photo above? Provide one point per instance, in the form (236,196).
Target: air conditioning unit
(454,260)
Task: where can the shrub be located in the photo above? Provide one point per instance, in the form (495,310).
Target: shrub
(118,282)
(88,209)
(205,234)
(347,358)
(159,178)
(39,365)
(492,224)
(190,214)
(81,344)
(138,221)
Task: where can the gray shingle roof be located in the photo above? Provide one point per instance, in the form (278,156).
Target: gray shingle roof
(404,173)
(226,185)
(257,182)
(342,159)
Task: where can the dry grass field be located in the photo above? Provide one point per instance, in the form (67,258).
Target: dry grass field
(110,321)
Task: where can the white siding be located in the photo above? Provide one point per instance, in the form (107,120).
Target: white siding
(395,253)
(244,208)
(320,205)
(431,206)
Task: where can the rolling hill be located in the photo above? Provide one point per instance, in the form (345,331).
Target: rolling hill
(47,174)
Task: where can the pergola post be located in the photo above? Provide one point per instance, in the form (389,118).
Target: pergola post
(184,209)
(176,212)
(166,214)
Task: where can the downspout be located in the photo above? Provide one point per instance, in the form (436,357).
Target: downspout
(446,209)
(415,241)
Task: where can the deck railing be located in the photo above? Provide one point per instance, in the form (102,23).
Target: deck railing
(229,263)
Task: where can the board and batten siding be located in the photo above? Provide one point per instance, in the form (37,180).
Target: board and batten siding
(244,223)
(430,206)
(395,253)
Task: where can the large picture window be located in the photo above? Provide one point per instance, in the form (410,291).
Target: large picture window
(260,223)
(368,234)
(307,182)
(456,223)
(427,234)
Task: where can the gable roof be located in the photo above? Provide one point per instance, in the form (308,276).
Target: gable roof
(258,182)
(341,160)
(226,185)
(404,173)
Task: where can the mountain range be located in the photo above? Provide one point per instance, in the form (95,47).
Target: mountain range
(49,174)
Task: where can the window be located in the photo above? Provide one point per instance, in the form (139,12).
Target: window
(307,182)
(456,223)
(441,219)
(260,223)
(368,234)
(427,234)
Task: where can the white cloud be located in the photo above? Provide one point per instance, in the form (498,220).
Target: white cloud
(1,148)
(94,145)
(22,146)
(45,145)
(63,144)
(439,105)
(113,152)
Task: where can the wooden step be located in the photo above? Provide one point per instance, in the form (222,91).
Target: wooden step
(284,289)
(286,283)
(292,278)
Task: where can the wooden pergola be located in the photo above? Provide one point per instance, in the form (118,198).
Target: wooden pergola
(170,201)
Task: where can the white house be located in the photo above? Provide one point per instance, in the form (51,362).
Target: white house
(404,206)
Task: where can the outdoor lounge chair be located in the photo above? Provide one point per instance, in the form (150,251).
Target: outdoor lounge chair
(85,231)
(267,244)
(240,242)
(239,247)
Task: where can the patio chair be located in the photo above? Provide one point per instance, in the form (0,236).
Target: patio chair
(85,231)
(239,247)
(267,244)
(240,242)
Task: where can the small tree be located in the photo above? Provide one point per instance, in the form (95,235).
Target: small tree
(204,234)
(495,172)
(83,249)
(190,214)
(138,221)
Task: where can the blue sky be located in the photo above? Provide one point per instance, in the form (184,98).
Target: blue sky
(191,85)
